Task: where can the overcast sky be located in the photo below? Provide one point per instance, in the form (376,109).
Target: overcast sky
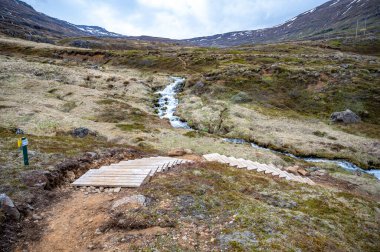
(175,18)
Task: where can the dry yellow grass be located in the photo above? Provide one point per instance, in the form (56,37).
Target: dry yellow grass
(295,135)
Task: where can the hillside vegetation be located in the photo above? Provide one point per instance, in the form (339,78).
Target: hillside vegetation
(278,95)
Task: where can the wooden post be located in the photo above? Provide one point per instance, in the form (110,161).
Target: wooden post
(25,150)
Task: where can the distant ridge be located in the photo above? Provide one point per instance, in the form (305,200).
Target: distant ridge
(19,19)
(332,19)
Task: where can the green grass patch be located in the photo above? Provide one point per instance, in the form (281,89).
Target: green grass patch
(131,127)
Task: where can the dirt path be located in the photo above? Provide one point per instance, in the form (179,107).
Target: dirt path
(71,225)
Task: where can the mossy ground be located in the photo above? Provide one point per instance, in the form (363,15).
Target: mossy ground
(195,205)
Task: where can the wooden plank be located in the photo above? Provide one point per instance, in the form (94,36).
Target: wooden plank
(120,171)
(108,184)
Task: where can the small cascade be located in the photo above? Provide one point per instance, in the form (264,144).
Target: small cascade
(168,103)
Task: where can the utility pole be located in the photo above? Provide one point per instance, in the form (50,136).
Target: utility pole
(357,26)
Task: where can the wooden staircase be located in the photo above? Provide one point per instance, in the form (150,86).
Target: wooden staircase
(130,173)
(250,165)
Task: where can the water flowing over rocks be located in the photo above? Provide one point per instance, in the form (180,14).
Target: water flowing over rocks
(168,103)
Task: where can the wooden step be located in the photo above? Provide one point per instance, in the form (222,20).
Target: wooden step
(250,165)
(128,173)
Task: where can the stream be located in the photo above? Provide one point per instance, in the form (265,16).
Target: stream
(168,104)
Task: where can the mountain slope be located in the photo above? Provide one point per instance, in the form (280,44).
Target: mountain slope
(19,19)
(332,19)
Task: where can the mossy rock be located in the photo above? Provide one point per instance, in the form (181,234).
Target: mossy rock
(241,97)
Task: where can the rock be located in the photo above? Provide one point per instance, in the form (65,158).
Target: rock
(92,154)
(346,116)
(6,204)
(82,132)
(320,172)
(90,246)
(292,169)
(139,200)
(245,240)
(117,189)
(241,97)
(188,151)
(98,231)
(70,175)
(303,172)
(199,85)
(18,131)
(36,217)
(176,152)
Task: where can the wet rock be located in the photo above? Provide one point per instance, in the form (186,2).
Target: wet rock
(8,207)
(346,116)
(176,152)
(245,240)
(138,200)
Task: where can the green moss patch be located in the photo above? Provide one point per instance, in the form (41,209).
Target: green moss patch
(131,127)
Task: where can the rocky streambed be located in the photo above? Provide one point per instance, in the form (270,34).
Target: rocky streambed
(168,103)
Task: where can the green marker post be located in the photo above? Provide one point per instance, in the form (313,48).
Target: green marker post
(25,150)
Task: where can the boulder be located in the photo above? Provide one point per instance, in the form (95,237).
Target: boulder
(6,204)
(346,116)
(81,132)
(176,152)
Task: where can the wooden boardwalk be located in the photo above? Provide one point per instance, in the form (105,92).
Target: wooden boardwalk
(250,165)
(130,173)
